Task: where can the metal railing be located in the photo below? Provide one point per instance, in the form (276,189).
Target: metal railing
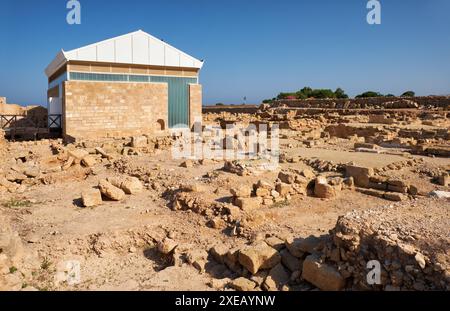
(9,121)
(6,120)
(30,125)
(54,121)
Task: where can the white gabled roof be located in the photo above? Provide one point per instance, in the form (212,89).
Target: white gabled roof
(138,48)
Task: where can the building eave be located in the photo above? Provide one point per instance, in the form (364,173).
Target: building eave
(59,61)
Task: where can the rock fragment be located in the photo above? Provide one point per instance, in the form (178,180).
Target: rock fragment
(110,191)
(92,197)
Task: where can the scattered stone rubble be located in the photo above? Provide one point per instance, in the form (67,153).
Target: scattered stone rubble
(113,188)
(80,159)
(339,261)
(395,238)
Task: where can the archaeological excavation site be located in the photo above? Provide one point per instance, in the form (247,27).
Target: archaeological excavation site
(355,183)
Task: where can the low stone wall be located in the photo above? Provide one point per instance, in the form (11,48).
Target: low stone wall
(368,105)
(13,109)
(373,102)
(231,109)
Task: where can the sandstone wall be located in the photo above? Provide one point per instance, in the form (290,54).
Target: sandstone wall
(2,136)
(12,109)
(195,103)
(105,109)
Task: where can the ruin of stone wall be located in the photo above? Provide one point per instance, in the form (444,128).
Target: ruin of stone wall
(13,109)
(231,109)
(361,103)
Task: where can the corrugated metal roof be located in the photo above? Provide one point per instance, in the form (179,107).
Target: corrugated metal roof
(138,48)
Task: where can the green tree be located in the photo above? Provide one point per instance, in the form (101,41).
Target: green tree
(369,94)
(340,93)
(307,91)
(409,94)
(301,95)
(323,93)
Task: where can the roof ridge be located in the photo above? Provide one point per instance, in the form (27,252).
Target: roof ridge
(166,54)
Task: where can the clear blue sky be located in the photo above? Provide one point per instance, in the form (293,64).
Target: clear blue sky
(253,48)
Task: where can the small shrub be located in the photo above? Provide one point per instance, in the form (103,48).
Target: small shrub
(281,204)
(16,203)
(46,263)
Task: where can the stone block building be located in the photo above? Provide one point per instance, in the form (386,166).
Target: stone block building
(128,85)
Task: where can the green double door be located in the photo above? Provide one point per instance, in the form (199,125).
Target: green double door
(178,99)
